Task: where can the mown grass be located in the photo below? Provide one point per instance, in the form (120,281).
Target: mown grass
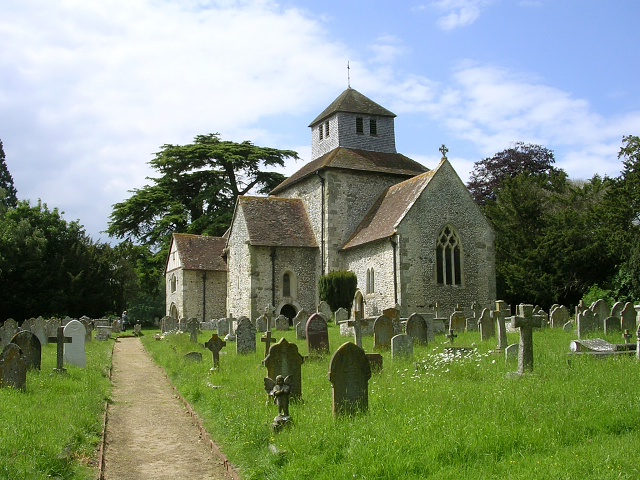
(450,418)
(52,429)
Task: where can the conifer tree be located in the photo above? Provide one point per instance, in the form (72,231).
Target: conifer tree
(8,192)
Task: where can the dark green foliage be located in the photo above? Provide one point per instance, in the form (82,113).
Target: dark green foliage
(8,192)
(337,288)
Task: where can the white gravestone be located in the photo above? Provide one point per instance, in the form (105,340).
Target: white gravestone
(74,352)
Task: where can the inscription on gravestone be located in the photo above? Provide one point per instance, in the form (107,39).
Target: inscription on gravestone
(349,374)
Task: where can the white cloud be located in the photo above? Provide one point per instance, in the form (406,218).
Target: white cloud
(458,13)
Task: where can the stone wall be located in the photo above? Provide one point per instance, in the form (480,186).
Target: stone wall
(239,269)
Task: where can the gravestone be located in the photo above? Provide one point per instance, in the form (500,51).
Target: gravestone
(74,353)
(13,370)
(51,327)
(568,327)
(282,323)
(245,337)
(214,345)
(30,347)
(88,327)
(116,326)
(349,374)
(103,333)
(393,313)
(168,324)
(284,359)
(628,318)
(193,357)
(325,310)
(601,309)
(511,352)
(341,315)
(587,322)
(457,320)
(559,316)
(402,346)
(230,337)
(137,329)
(267,340)
(262,323)
(375,362)
(300,322)
(500,313)
(382,333)
(612,324)
(431,330)
(356,323)
(617,308)
(39,330)
(525,321)
(581,308)
(60,339)
(416,327)
(193,327)
(223,327)
(10,328)
(487,327)
(317,335)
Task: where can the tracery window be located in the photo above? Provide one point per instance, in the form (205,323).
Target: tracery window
(448,258)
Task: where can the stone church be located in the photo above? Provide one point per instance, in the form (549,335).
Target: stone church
(413,236)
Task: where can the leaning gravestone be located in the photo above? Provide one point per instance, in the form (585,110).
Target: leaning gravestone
(457,321)
(13,369)
(559,316)
(317,335)
(382,333)
(300,322)
(74,352)
(587,322)
(282,323)
(31,348)
(486,324)
(245,337)
(284,359)
(402,346)
(349,374)
(628,318)
(417,328)
(325,310)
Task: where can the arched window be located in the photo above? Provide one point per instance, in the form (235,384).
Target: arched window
(286,285)
(448,258)
(370,281)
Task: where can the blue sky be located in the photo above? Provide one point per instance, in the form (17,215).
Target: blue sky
(90,90)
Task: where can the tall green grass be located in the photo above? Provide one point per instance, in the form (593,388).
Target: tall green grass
(456,417)
(52,429)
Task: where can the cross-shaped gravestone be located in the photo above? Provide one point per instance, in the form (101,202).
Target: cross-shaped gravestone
(500,313)
(525,321)
(357,322)
(451,336)
(214,345)
(60,339)
(267,340)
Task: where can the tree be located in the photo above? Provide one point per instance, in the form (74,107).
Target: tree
(337,288)
(196,189)
(489,173)
(8,192)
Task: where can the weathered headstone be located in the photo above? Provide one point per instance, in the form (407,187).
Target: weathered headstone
(88,327)
(317,335)
(382,333)
(416,327)
(617,308)
(39,330)
(525,321)
(102,332)
(628,318)
(511,352)
(74,353)
(356,323)
(116,326)
(245,337)
(30,347)
(559,316)
(137,329)
(393,314)
(402,346)
(300,322)
(325,310)
(612,324)
(451,336)
(60,339)
(457,320)
(341,315)
(581,307)
(9,329)
(375,362)
(601,309)
(193,327)
(282,323)
(13,369)
(230,337)
(262,323)
(587,322)
(193,357)
(267,340)
(568,327)
(214,345)
(168,324)
(487,326)
(223,327)
(51,327)
(500,313)
(349,374)
(284,359)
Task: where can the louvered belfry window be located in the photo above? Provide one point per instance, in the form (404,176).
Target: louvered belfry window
(448,258)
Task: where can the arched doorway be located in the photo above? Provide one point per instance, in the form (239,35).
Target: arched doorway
(288,311)
(173,311)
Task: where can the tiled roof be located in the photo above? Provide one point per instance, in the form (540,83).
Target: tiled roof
(390,208)
(277,222)
(352,101)
(355,159)
(200,252)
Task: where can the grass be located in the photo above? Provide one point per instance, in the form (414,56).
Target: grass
(435,416)
(52,429)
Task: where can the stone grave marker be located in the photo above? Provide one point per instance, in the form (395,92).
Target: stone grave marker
(382,333)
(375,362)
(341,315)
(60,339)
(581,307)
(282,323)
(30,347)
(267,340)
(39,330)
(116,326)
(349,374)
(245,337)
(612,324)
(601,309)
(457,320)
(168,324)
(416,327)
(559,316)
(628,318)
(102,332)
(10,328)
(500,313)
(230,337)
(88,327)
(568,327)
(393,313)
(317,335)
(284,359)
(51,327)
(300,321)
(13,369)
(193,357)
(487,326)
(511,352)
(223,327)
(402,346)
(356,323)
(587,322)
(431,330)
(193,327)
(214,345)
(74,353)
(617,308)
(137,329)
(525,321)
(325,310)
(262,323)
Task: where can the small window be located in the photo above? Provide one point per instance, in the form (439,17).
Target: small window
(286,285)
(326,133)
(173,283)
(359,125)
(373,127)
(370,281)
(320,130)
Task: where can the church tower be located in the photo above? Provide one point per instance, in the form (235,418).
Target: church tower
(353,121)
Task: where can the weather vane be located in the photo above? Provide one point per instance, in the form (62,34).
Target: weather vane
(348,75)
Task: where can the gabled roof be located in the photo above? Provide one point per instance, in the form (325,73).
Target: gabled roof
(277,222)
(352,101)
(200,252)
(356,159)
(393,204)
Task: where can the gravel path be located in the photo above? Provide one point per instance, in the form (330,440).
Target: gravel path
(150,435)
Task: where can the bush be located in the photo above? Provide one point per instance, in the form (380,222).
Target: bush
(337,288)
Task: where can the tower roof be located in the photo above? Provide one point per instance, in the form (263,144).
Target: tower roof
(352,101)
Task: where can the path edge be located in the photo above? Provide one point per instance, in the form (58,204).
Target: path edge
(103,435)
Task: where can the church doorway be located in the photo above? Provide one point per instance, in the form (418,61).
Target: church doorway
(288,311)
(173,311)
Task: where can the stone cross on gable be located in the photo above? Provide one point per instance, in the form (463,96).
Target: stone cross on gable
(214,345)
(267,340)
(357,322)
(525,321)
(60,339)
(444,151)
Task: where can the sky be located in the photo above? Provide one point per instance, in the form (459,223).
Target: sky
(90,90)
